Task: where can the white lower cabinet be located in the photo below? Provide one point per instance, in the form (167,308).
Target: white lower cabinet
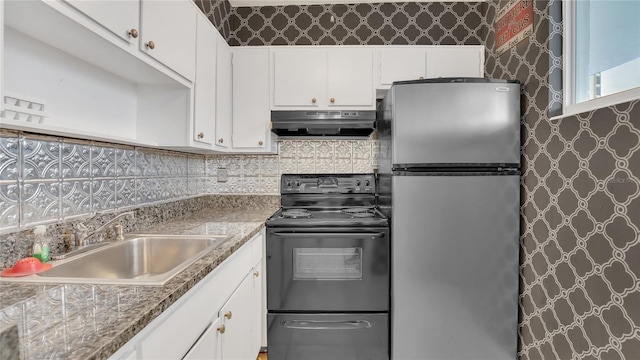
(216,319)
(209,344)
(237,322)
(257,308)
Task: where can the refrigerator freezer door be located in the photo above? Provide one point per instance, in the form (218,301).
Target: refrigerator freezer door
(456,123)
(455,267)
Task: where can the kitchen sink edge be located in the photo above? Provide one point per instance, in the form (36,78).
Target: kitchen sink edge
(152,301)
(160,279)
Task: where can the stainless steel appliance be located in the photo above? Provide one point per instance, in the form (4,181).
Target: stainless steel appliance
(449,178)
(328,270)
(323,122)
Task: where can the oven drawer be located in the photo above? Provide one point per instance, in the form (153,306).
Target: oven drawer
(328,336)
(343,270)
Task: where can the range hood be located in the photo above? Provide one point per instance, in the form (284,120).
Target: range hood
(323,123)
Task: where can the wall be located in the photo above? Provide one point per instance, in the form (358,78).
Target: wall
(429,23)
(60,182)
(45,179)
(219,13)
(260,174)
(580,245)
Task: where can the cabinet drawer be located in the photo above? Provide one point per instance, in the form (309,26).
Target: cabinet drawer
(184,321)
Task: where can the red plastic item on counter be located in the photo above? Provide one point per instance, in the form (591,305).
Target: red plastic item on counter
(24,267)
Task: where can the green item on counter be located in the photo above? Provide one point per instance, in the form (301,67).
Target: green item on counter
(40,244)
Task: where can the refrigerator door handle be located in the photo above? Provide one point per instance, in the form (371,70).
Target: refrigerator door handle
(327,325)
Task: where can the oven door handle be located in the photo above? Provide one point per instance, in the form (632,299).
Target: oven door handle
(327,325)
(298,234)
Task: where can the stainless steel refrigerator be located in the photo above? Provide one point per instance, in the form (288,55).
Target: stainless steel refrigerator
(449,177)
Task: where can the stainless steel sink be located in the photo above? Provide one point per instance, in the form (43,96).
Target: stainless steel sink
(143,259)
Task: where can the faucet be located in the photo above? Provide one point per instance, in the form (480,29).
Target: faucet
(81,235)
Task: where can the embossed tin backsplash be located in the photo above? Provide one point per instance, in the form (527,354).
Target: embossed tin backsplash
(46,179)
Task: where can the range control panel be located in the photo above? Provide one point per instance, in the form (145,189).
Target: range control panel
(328,183)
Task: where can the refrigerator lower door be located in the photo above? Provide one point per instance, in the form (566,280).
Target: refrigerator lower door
(328,336)
(454,267)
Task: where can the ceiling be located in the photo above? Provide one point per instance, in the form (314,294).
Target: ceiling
(238,3)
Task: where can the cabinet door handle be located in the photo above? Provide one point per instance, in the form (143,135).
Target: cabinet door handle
(133,33)
(200,135)
(220,329)
(260,142)
(314,100)
(151,45)
(220,141)
(256,273)
(332,100)
(228,314)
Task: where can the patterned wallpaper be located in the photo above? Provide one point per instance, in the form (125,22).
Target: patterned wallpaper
(219,13)
(428,23)
(580,245)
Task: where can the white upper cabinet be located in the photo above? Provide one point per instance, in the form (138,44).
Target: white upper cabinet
(350,77)
(204,117)
(299,76)
(322,78)
(455,61)
(122,17)
(168,34)
(251,114)
(402,63)
(94,82)
(398,64)
(223,99)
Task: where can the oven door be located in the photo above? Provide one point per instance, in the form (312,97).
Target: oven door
(328,336)
(341,269)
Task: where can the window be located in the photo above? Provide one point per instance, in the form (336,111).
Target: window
(602,53)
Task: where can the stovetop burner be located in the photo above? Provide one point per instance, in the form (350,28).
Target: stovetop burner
(359,212)
(296,214)
(327,200)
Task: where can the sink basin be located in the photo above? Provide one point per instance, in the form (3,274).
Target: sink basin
(142,259)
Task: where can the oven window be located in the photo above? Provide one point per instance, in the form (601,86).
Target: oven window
(327,263)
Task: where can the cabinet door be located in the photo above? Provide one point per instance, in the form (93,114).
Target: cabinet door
(455,61)
(299,77)
(257,313)
(350,77)
(204,117)
(208,345)
(236,314)
(251,115)
(224,112)
(168,34)
(398,64)
(119,17)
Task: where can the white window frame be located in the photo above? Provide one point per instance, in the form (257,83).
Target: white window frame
(568,50)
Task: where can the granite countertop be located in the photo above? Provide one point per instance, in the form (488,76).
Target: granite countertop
(89,321)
